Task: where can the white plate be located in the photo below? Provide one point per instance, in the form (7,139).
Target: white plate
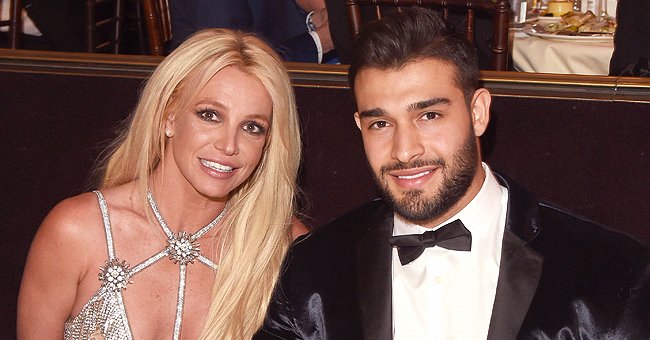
(528,29)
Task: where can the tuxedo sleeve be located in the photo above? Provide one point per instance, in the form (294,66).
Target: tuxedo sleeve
(279,322)
(636,318)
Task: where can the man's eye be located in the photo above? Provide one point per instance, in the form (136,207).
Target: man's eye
(379,125)
(254,128)
(430,115)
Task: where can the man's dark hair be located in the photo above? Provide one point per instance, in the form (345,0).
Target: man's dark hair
(414,34)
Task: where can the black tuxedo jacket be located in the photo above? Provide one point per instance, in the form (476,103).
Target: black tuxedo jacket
(560,277)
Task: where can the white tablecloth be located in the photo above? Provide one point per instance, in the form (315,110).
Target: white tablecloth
(534,54)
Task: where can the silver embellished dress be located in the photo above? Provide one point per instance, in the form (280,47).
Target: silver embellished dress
(104,316)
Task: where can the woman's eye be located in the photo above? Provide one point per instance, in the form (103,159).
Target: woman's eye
(208,115)
(378,124)
(254,128)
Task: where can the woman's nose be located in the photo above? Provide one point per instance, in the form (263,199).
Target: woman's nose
(227,142)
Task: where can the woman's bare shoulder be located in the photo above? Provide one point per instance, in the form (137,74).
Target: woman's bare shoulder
(74,217)
(80,217)
(63,250)
(73,222)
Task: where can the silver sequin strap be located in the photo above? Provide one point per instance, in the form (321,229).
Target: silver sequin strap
(207,262)
(146,263)
(156,212)
(181,301)
(107,224)
(165,227)
(182,249)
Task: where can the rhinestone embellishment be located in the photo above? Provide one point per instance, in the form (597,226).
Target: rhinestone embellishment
(182,249)
(115,275)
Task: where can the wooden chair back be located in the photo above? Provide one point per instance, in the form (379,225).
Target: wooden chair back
(498,9)
(158,20)
(14,23)
(104,24)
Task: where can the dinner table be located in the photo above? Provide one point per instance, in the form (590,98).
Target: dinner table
(542,52)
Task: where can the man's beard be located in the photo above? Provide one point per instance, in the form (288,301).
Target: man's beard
(416,205)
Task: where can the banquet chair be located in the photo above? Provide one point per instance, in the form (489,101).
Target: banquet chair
(158,20)
(104,22)
(499,11)
(14,23)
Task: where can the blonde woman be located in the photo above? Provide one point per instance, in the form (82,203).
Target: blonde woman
(194,214)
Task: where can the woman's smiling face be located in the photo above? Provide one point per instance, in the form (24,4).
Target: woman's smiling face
(217,141)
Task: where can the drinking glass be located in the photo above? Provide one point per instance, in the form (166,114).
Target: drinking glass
(602,10)
(577,4)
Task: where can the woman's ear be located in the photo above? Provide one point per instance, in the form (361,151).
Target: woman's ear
(480,109)
(169,126)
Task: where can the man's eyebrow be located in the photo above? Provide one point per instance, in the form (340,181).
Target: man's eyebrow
(427,103)
(376,112)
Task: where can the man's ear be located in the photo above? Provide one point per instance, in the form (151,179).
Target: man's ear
(480,106)
(357,119)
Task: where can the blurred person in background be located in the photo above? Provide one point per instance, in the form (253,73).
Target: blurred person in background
(297,29)
(631,55)
(50,25)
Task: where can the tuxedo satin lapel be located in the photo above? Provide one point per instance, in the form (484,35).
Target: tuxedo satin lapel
(519,275)
(374,280)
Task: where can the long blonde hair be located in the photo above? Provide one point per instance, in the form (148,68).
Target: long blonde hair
(255,233)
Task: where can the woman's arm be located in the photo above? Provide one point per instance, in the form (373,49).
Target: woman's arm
(54,268)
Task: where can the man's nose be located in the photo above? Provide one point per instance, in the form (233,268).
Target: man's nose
(407,144)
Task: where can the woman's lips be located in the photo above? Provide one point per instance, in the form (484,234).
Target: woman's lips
(218,170)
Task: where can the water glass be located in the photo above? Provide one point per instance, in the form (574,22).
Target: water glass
(602,9)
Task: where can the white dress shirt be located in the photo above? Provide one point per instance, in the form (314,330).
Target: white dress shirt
(448,294)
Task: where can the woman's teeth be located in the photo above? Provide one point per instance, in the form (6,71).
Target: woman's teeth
(216,166)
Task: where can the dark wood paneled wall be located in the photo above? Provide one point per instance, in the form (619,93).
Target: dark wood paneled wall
(579,142)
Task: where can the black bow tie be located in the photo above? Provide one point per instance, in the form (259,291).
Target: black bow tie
(452,236)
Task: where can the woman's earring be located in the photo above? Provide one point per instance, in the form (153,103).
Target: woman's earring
(168,132)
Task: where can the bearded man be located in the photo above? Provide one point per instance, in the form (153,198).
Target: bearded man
(453,250)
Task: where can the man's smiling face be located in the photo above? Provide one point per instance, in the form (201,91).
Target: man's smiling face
(420,137)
